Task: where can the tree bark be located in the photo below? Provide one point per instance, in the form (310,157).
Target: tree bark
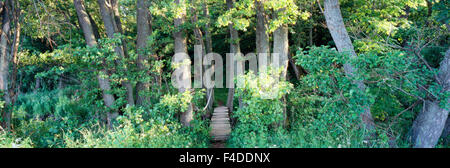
(199,41)
(340,36)
(281,47)
(429,7)
(180,46)
(13,93)
(107,10)
(89,36)
(208,46)
(234,48)
(430,123)
(143,32)
(297,71)
(446,132)
(94,26)
(4,60)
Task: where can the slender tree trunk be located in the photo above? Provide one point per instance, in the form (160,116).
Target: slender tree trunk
(94,26)
(234,48)
(446,132)
(262,35)
(4,62)
(112,26)
(297,71)
(430,123)
(180,46)
(429,7)
(37,84)
(208,46)
(118,24)
(311,29)
(199,41)
(89,36)
(340,36)
(143,32)
(13,93)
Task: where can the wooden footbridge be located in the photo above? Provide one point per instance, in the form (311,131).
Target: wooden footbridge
(220,125)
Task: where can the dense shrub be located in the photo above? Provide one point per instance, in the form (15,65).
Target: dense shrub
(263,111)
(65,118)
(8,141)
(154,128)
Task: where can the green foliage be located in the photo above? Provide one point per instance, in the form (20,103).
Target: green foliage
(133,132)
(64,119)
(325,108)
(45,116)
(138,128)
(399,44)
(263,112)
(327,95)
(7,141)
(286,11)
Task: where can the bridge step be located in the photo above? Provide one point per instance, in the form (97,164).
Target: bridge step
(220,124)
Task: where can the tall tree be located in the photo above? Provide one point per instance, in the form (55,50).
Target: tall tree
(9,41)
(143,32)
(113,25)
(431,121)
(180,46)
(343,43)
(89,36)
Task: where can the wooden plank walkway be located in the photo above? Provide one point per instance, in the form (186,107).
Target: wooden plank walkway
(220,124)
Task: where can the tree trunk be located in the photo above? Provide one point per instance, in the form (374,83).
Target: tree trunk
(143,32)
(89,36)
(112,26)
(340,36)
(262,36)
(118,24)
(208,46)
(281,47)
(297,71)
(199,41)
(4,62)
(94,26)
(429,7)
(430,123)
(10,29)
(181,47)
(234,48)
(446,132)
(14,51)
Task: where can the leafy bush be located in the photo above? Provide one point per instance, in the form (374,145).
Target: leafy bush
(138,128)
(263,111)
(7,141)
